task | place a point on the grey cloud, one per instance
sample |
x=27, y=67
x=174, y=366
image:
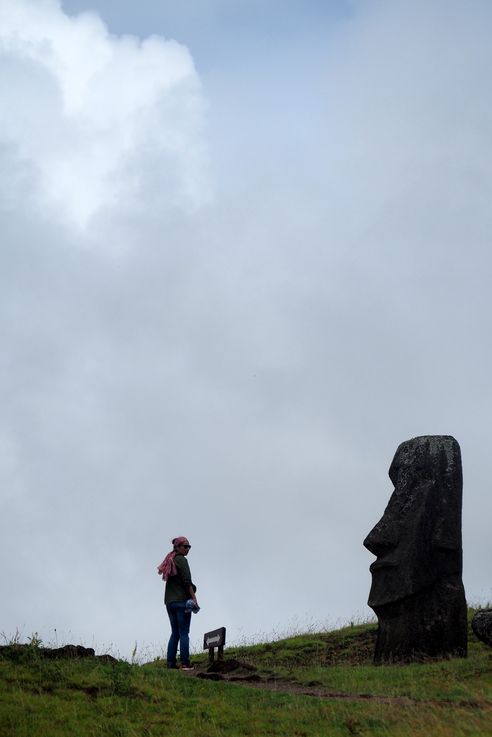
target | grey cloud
x=242, y=372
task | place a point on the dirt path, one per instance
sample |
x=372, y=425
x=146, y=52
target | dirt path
x=319, y=692
x=252, y=680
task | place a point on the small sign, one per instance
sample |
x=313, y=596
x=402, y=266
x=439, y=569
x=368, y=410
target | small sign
x=215, y=638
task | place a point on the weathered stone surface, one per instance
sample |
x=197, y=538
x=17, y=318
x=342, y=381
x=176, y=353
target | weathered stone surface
x=228, y=665
x=482, y=625
x=229, y=669
x=23, y=652
x=68, y=652
x=417, y=591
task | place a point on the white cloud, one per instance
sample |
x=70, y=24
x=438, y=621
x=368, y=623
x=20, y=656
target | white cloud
x=85, y=108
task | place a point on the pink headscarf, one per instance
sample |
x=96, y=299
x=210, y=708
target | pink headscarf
x=168, y=567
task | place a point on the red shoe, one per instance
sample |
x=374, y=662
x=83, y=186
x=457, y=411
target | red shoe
x=187, y=667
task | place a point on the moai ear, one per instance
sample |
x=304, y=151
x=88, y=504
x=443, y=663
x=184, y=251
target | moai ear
x=447, y=530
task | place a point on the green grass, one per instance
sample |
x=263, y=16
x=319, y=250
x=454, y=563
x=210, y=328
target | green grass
x=88, y=698
x=342, y=661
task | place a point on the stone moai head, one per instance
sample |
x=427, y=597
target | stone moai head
x=417, y=544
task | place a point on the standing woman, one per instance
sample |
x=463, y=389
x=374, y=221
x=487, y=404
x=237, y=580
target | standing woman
x=175, y=571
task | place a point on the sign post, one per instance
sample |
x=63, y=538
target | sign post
x=215, y=639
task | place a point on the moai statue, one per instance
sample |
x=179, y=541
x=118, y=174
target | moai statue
x=417, y=590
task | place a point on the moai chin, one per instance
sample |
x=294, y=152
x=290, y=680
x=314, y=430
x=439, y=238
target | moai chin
x=417, y=589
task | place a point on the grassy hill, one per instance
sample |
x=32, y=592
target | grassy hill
x=319, y=684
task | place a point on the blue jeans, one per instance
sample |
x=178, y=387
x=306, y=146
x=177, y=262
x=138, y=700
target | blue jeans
x=180, y=629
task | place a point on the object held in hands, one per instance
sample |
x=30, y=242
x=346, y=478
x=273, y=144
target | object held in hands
x=190, y=606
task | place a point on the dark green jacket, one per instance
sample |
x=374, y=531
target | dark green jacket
x=178, y=587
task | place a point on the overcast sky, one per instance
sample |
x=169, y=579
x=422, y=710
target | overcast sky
x=245, y=252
